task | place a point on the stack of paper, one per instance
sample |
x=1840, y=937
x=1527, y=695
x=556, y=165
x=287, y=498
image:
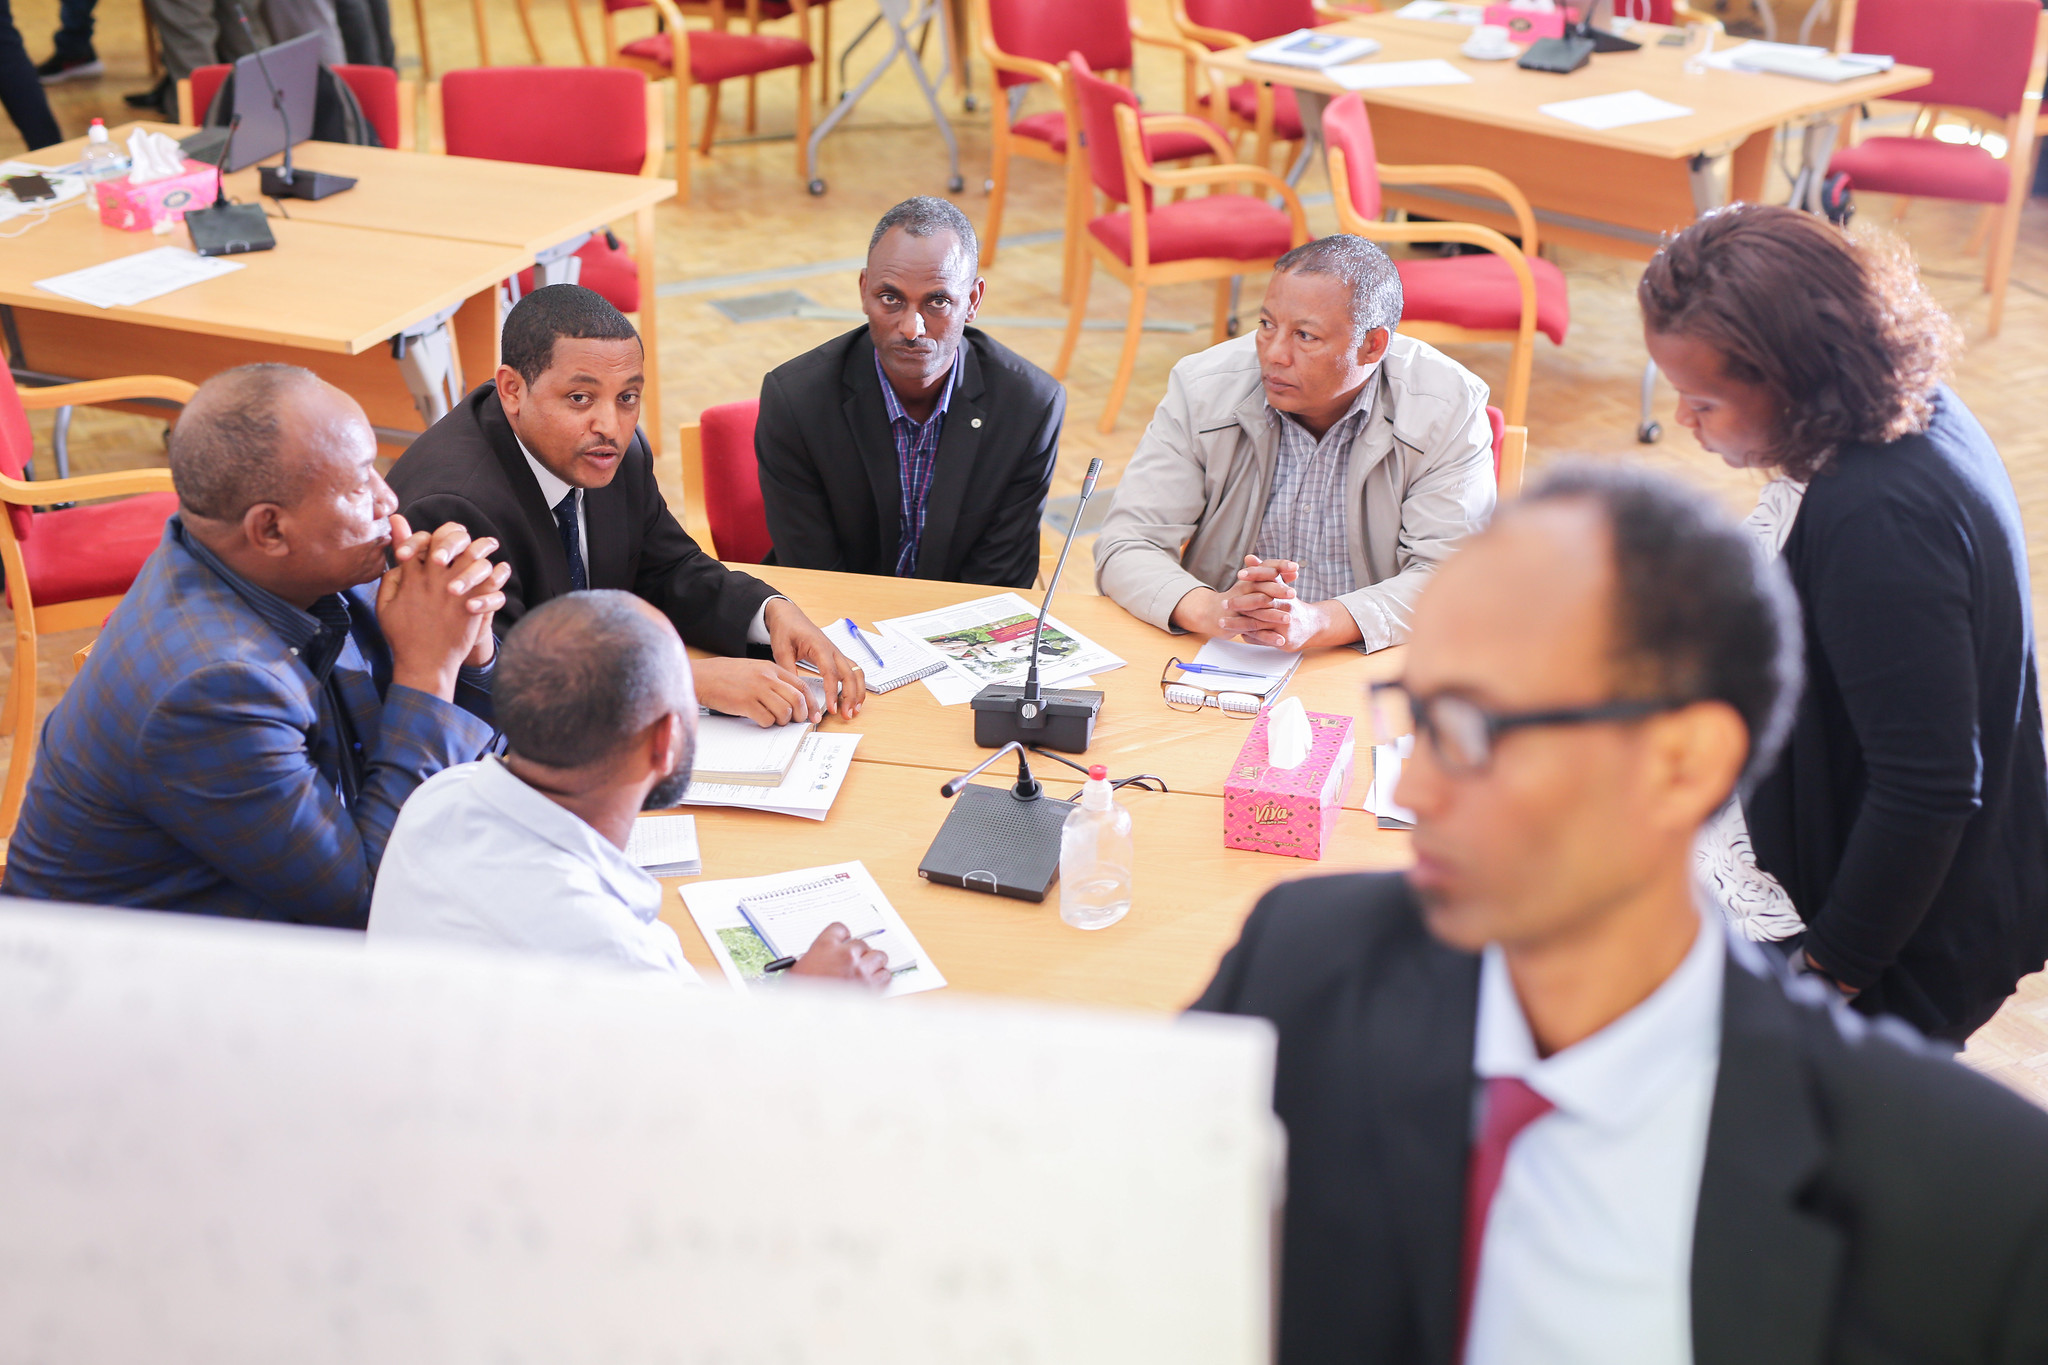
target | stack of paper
x=808, y=791
x=665, y=845
x=1308, y=48
x=792, y=907
x=732, y=749
x=1393, y=75
x=136, y=279
x=886, y=661
x=1621, y=109
x=1386, y=776
x=988, y=641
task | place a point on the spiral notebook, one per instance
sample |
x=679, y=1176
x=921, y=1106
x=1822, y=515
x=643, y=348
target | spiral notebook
x=749, y=921
x=887, y=661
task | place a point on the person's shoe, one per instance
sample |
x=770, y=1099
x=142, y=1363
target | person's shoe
x=160, y=97
x=59, y=69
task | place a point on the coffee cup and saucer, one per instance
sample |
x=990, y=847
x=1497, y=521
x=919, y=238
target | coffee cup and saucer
x=1490, y=43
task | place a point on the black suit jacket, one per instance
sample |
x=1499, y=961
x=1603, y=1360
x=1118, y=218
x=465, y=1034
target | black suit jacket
x=1862, y=1201
x=468, y=468
x=830, y=483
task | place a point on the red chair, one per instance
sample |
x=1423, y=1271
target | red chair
x=1267, y=112
x=722, y=485
x=1510, y=449
x=1024, y=41
x=1145, y=244
x=387, y=101
x=586, y=118
x=68, y=567
x=709, y=57
x=1988, y=56
x=1508, y=295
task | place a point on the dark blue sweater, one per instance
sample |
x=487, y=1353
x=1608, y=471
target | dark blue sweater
x=1908, y=815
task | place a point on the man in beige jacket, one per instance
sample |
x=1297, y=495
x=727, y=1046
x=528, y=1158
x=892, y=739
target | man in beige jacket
x=1298, y=487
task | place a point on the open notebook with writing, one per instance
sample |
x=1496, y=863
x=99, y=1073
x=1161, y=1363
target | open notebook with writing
x=886, y=661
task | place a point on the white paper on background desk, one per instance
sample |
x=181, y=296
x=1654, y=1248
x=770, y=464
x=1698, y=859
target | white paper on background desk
x=665, y=846
x=1723, y=59
x=139, y=278
x=1386, y=776
x=988, y=641
x=809, y=790
x=741, y=954
x=1622, y=109
x=1442, y=11
x=68, y=187
x=1392, y=75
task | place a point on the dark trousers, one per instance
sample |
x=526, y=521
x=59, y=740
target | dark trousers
x=21, y=94
x=74, y=30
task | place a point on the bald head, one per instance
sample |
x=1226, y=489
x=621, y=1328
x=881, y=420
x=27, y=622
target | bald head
x=583, y=677
x=236, y=443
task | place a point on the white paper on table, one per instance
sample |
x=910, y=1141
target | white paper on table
x=950, y=689
x=1622, y=109
x=1392, y=75
x=741, y=954
x=1442, y=12
x=809, y=790
x=966, y=635
x=130, y=280
x=1723, y=59
x=1386, y=776
x=68, y=187
x=661, y=842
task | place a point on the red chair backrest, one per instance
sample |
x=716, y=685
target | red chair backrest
x=732, y=483
x=1979, y=50
x=17, y=448
x=1047, y=30
x=1498, y=420
x=1099, y=99
x=1347, y=129
x=1257, y=20
x=376, y=89
x=588, y=118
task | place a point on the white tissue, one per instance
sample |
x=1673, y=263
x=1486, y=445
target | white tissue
x=152, y=156
x=1287, y=741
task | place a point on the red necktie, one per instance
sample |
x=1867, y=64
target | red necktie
x=1511, y=1106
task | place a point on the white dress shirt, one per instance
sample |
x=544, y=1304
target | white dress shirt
x=1588, y=1251
x=479, y=857
x=553, y=490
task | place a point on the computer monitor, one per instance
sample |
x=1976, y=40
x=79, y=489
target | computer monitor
x=294, y=68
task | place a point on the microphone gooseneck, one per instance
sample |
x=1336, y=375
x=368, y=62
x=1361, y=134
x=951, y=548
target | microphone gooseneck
x=1026, y=788
x=1031, y=688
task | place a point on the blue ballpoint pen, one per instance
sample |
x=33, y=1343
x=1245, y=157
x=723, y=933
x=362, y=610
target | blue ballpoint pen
x=1226, y=672
x=854, y=631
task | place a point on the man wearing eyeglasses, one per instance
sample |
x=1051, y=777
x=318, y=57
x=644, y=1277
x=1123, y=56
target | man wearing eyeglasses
x=1540, y=1108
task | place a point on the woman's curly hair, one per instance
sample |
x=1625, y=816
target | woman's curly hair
x=1839, y=329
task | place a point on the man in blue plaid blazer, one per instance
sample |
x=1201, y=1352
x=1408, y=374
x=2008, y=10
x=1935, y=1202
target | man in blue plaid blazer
x=254, y=714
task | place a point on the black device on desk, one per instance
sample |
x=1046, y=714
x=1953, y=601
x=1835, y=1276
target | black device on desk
x=1567, y=54
x=300, y=60
x=30, y=189
x=1006, y=713
x=1004, y=841
x=228, y=229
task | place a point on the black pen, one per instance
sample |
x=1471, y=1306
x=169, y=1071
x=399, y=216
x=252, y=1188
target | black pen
x=783, y=964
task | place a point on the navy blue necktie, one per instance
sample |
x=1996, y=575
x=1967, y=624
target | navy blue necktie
x=572, y=546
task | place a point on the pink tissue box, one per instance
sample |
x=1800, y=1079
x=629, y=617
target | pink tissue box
x=1289, y=811
x=1526, y=26
x=139, y=208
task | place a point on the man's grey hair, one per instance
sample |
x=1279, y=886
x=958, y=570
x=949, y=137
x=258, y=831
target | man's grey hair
x=927, y=216
x=1375, y=284
x=227, y=448
x=582, y=676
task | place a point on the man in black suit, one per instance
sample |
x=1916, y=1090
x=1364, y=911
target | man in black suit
x=1540, y=1108
x=549, y=457
x=914, y=446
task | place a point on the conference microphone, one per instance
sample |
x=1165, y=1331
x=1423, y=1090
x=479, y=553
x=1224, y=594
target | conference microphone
x=283, y=182
x=1007, y=713
x=996, y=840
x=228, y=229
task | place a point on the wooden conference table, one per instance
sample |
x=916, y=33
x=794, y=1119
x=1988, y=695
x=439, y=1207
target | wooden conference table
x=1191, y=894
x=420, y=241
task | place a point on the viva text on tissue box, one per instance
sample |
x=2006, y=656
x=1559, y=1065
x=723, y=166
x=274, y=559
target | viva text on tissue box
x=1289, y=811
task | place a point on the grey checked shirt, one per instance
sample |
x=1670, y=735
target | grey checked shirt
x=1305, y=518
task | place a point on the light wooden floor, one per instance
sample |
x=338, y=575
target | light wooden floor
x=750, y=214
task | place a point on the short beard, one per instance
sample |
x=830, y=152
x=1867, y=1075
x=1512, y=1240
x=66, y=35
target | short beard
x=669, y=792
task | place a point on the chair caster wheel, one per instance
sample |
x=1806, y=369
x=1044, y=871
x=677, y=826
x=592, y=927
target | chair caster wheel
x=970, y=103
x=1649, y=432
x=817, y=187
x=988, y=187
x=955, y=185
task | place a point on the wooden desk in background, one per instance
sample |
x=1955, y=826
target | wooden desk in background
x=1615, y=192
x=1190, y=893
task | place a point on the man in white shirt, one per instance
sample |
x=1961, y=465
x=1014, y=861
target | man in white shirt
x=1540, y=1109
x=593, y=694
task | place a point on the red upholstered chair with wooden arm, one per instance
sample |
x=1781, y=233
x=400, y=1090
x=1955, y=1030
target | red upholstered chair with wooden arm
x=1213, y=237
x=1267, y=112
x=1987, y=56
x=69, y=566
x=1508, y=295
x=722, y=484
x=587, y=118
x=1510, y=450
x=1024, y=42
x=708, y=57
x=387, y=101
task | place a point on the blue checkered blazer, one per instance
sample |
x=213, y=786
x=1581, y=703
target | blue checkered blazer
x=192, y=766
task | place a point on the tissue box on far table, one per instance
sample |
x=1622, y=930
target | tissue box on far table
x=139, y=208
x=1289, y=811
x=1527, y=25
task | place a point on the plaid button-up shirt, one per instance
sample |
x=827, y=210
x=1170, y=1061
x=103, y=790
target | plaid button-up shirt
x=917, y=456
x=1306, y=520
x=224, y=752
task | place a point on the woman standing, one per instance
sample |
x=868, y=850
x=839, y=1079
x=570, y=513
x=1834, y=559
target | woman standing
x=1907, y=819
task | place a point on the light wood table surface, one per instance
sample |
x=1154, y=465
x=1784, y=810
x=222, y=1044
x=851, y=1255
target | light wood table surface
x=1613, y=191
x=1136, y=732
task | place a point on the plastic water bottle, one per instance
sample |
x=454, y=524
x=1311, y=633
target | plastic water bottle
x=103, y=160
x=1095, y=857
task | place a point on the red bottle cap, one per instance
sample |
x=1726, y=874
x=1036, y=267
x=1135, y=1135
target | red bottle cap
x=1098, y=773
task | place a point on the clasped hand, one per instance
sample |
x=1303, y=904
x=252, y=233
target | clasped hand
x=771, y=692
x=1262, y=608
x=436, y=605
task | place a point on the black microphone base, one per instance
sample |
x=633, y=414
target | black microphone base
x=1058, y=720
x=304, y=184
x=1603, y=41
x=997, y=844
x=229, y=230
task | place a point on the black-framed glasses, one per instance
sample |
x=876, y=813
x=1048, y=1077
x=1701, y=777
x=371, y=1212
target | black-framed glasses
x=1184, y=690
x=1463, y=733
